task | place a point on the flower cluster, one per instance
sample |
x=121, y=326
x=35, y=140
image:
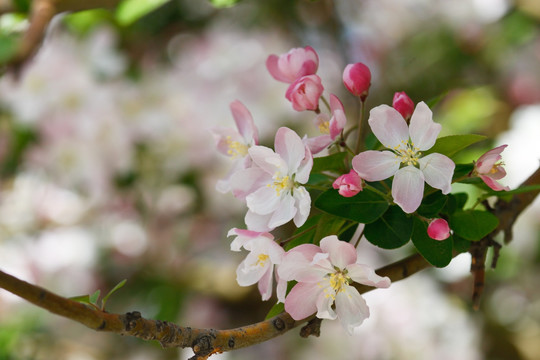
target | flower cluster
x=277, y=187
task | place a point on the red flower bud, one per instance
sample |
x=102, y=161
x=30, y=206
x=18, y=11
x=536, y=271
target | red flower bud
x=403, y=104
x=357, y=79
x=438, y=229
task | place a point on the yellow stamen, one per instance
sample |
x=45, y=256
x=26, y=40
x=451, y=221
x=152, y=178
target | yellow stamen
x=261, y=260
x=324, y=127
x=407, y=153
x=236, y=148
x=281, y=183
x=338, y=281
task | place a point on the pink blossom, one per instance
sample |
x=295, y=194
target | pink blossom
x=296, y=63
x=329, y=126
x=305, y=92
x=325, y=275
x=348, y=184
x=258, y=266
x=235, y=143
x=438, y=229
x=357, y=79
x=489, y=168
x=403, y=104
x=272, y=187
x=405, y=161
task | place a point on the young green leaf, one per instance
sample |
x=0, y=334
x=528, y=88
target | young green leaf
x=93, y=299
x=432, y=204
x=115, y=288
x=277, y=309
x=390, y=231
x=129, y=11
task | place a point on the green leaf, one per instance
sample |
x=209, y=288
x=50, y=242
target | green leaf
x=334, y=162
x=432, y=204
x=275, y=310
x=8, y=47
x=450, y=145
x=519, y=190
x=129, y=11
x=455, y=202
x=81, y=298
x=462, y=170
x=473, y=225
x=328, y=225
x=437, y=253
x=116, y=287
x=460, y=244
x=390, y=231
x=305, y=234
x=365, y=207
x=94, y=297
x=224, y=3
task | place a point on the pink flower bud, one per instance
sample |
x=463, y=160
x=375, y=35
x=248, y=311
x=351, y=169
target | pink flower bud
x=296, y=63
x=357, y=79
x=438, y=229
x=349, y=184
x=403, y=104
x=305, y=92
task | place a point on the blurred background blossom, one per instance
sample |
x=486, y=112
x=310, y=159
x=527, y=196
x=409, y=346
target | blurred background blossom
x=108, y=169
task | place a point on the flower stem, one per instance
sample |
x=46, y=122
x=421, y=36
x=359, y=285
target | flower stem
x=362, y=128
x=326, y=103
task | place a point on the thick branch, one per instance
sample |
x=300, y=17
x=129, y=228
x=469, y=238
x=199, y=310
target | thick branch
x=206, y=342
x=41, y=14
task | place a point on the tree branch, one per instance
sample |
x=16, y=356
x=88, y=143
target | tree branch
x=206, y=342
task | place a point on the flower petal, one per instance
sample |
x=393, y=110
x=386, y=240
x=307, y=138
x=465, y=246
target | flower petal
x=351, y=308
x=388, y=126
x=244, y=122
x=493, y=184
x=301, y=301
x=267, y=159
x=408, y=188
x=325, y=301
x=263, y=201
x=375, y=165
x=341, y=253
x=423, y=129
x=257, y=222
x=365, y=275
x=265, y=284
x=290, y=147
x=296, y=264
x=284, y=213
x=438, y=170
x=244, y=182
x=248, y=273
x=302, y=204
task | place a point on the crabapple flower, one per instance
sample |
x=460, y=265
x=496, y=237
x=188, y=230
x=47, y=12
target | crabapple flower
x=405, y=161
x=325, y=275
x=357, y=79
x=305, y=92
x=272, y=187
x=489, y=168
x=349, y=184
x=403, y=104
x=235, y=143
x=296, y=63
x=438, y=229
x=329, y=126
x=258, y=266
